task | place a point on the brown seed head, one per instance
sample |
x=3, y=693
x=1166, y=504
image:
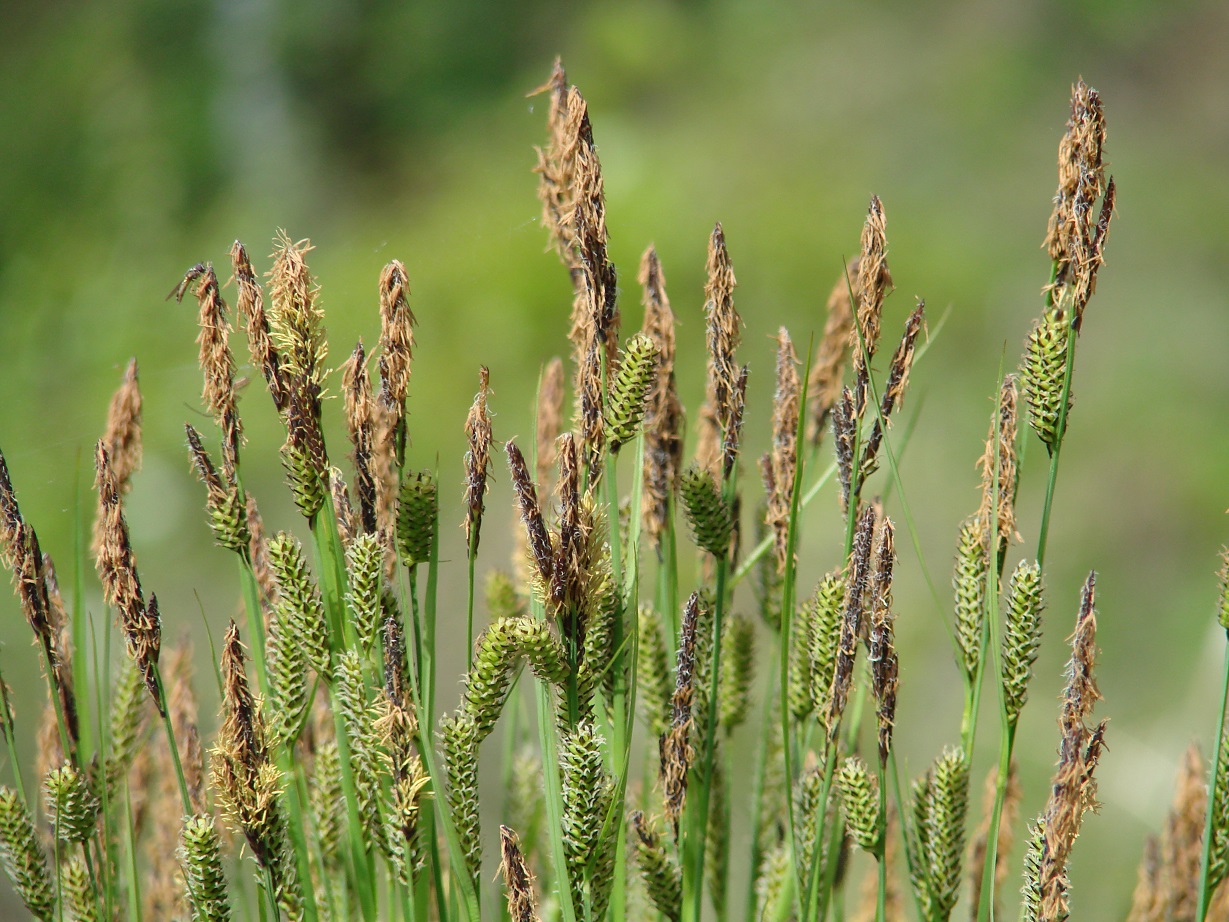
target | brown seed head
x=881, y=649
x=555, y=170
x=522, y=904
x=893, y=392
x=251, y=307
x=216, y=361
x=851, y=619
x=360, y=422
x=828, y=370
x=874, y=281
x=676, y=751
x=724, y=332
x=297, y=319
x=782, y=462
x=477, y=461
x=999, y=472
x=396, y=337
x=531, y=515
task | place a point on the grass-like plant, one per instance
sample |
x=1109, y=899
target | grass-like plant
x=338, y=786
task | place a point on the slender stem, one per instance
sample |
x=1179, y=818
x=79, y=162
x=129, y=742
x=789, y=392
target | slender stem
x=1059, y=438
x=1205, y=860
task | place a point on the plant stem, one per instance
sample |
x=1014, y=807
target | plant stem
x=1209, y=829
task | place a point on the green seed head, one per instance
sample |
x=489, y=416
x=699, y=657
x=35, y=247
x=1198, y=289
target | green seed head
x=417, y=511
x=1022, y=636
x=711, y=520
x=627, y=392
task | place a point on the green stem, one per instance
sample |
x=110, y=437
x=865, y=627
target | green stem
x=1209, y=829
x=1059, y=438
x=757, y=787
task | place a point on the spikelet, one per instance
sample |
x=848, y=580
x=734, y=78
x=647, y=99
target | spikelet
x=23, y=857
x=1030, y=910
x=365, y=567
x=588, y=796
x=969, y=589
x=1222, y=614
x=128, y=725
x=723, y=402
x=860, y=802
x=653, y=673
x=327, y=803
x=1042, y=371
x=893, y=392
x=296, y=319
x=477, y=462
x=200, y=858
x=774, y=898
x=122, y=438
x=808, y=810
x=628, y=390
x=826, y=609
x=663, y=417
x=675, y=748
x=1073, y=789
x=417, y=511
x=459, y=744
x=141, y=623
x=779, y=465
x=828, y=368
x=873, y=283
x=844, y=434
x=224, y=501
x=999, y=473
x=880, y=646
x=250, y=306
x=77, y=884
x=360, y=424
x=737, y=673
x=712, y=522
x=550, y=419
x=1218, y=860
x=540, y=547
x=497, y=656
x=1021, y=636
x=554, y=167
x=662, y=877
x=800, y=689
x=358, y=717
x=522, y=904
x=943, y=809
x=852, y=617
x=71, y=804
x=299, y=605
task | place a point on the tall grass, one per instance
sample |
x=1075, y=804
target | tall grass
x=343, y=779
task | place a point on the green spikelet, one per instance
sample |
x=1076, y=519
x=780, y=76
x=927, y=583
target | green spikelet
x=327, y=801
x=625, y=408
x=128, y=705
x=826, y=633
x=299, y=603
x=861, y=804
x=365, y=566
x=1223, y=616
x=969, y=587
x=503, y=601
x=661, y=875
x=459, y=742
x=1030, y=910
x=1045, y=364
x=1218, y=860
x=418, y=507
x=949, y=802
x=78, y=886
x=71, y=804
x=919, y=842
x=286, y=657
x=1021, y=637
x=653, y=674
x=228, y=520
x=588, y=795
x=305, y=477
x=800, y=690
x=500, y=650
x=807, y=807
x=359, y=719
x=709, y=516
x=773, y=893
x=737, y=672
x=403, y=821
x=23, y=857
x=200, y=858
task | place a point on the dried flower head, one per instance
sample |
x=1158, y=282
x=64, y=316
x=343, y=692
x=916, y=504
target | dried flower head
x=251, y=307
x=999, y=472
x=555, y=169
x=360, y=423
x=477, y=461
x=396, y=343
x=780, y=465
x=828, y=369
x=550, y=418
x=522, y=903
x=723, y=334
x=297, y=319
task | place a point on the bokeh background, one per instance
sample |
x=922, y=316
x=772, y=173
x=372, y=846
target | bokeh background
x=138, y=137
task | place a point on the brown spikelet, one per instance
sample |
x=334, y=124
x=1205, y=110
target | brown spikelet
x=550, y=418
x=360, y=423
x=116, y=567
x=675, y=747
x=22, y=553
x=477, y=461
x=1073, y=790
x=250, y=306
x=780, y=465
x=893, y=391
x=297, y=319
x=566, y=583
x=881, y=649
x=828, y=370
x=663, y=416
x=1006, y=838
x=522, y=904
x=531, y=514
x=1169, y=879
x=999, y=472
x=216, y=360
x=844, y=433
x=851, y=618
x=723, y=334
x=60, y=652
x=122, y=437
x=555, y=170
x=873, y=283
x=396, y=347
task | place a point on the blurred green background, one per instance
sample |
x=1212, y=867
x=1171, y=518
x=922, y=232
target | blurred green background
x=139, y=137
